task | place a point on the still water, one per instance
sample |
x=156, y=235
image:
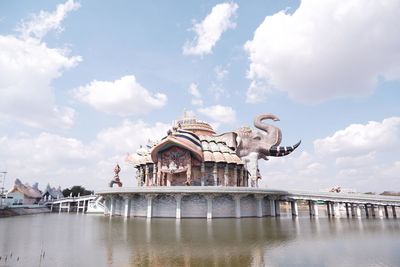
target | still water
x=87, y=240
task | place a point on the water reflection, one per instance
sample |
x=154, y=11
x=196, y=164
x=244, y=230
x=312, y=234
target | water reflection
x=76, y=240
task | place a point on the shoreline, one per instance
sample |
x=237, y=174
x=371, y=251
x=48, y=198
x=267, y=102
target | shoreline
x=19, y=211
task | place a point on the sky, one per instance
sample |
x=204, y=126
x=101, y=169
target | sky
x=83, y=83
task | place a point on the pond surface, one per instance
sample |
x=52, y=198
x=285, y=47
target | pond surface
x=90, y=240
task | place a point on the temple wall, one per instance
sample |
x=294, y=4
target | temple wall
x=223, y=206
x=139, y=206
x=248, y=206
x=164, y=206
x=194, y=206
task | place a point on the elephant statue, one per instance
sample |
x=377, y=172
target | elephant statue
x=251, y=145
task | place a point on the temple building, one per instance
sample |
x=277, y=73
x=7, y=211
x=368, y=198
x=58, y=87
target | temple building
x=193, y=154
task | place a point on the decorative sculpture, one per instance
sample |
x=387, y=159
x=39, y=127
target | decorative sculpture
x=252, y=145
x=116, y=179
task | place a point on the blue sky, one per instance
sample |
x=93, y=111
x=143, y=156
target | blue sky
x=82, y=83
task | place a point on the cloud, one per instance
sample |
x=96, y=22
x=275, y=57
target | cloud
x=42, y=23
x=220, y=114
x=325, y=50
x=68, y=161
x=359, y=138
x=209, y=31
x=220, y=73
x=28, y=67
x=360, y=157
x=196, y=95
x=121, y=97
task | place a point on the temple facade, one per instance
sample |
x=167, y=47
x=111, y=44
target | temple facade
x=193, y=154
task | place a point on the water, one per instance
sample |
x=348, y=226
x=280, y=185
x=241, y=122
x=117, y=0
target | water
x=87, y=240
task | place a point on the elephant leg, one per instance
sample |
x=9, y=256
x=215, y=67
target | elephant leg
x=251, y=162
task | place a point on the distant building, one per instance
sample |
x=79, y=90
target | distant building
x=51, y=193
x=24, y=193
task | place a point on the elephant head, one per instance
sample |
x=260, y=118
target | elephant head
x=252, y=145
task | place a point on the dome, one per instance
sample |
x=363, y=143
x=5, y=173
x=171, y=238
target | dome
x=190, y=123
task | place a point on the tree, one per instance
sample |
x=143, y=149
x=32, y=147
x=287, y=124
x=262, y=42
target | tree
x=76, y=190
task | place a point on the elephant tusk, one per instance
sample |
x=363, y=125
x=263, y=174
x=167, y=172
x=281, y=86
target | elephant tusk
x=279, y=151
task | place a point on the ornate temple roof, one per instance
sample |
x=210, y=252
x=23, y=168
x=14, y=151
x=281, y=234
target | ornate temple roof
x=27, y=190
x=190, y=123
x=207, y=148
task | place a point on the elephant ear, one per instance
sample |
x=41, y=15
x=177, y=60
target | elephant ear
x=228, y=138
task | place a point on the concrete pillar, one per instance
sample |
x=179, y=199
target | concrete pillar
x=154, y=182
x=146, y=175
x=241, y=178
x=394, y=211
x=226, y=176
x=149, y=206
x=69, y=206
x=346, y=205
x=77, y=207
x=366, y=210
x=372, y=210
x=358, y=211
x=313, y=208
x=333, y=208
x=59, y=208
x=353, y=213
x=271, y=207
x=215, y=174
x=277, y=207
x=127, y=210
x=380, y=211
x=235, y=175
x=386, y=211
x=328, y=208
x=178, y=199
x=203, y=173
x=259, y=200
x=112, y=206
x=237, y=206
x=209, y=207
x=295, y=210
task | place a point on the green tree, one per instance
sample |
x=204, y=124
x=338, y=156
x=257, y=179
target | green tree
x=76, y=190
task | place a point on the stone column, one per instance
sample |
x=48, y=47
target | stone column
x=366, y=210
x=295, y=210
x=127, y=211
x=138, y=176
x=149, y=206
x=241, y=176
x=373, y=210
x=380, y=211
x=146, y=175
x=235, y=176
x=112, y=206
x=77, y=207
x=69, y=206
x=226, y=177
x=277, y=207
x=203, y=173
x=259, y=205
x=209, y=206
x=347, y=209
x=352, y=210
x=178, y=199
x=328, y=208
x=315, y=208
x=358, y=211
x=154, y=182
x=237, y=206
x=310, y=208
x=215, y=174
x=394, y=211
x=386, y=211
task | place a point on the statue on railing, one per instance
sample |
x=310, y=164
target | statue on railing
x=116, y=179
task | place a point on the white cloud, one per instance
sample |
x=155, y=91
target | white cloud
x=121, y=97
x=42, y=23
x=69, y=161
x=358, y=138
x=196, y=95
x=28, y=67
x=325, y=50
x=209, y=31
x=359, y=157
x=221, y=114
x=220, y=72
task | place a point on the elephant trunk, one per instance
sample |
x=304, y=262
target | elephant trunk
x=271, y=130
x=279, y=151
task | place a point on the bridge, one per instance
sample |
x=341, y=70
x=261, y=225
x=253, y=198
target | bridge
x=79, y=203
x=237, y=202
